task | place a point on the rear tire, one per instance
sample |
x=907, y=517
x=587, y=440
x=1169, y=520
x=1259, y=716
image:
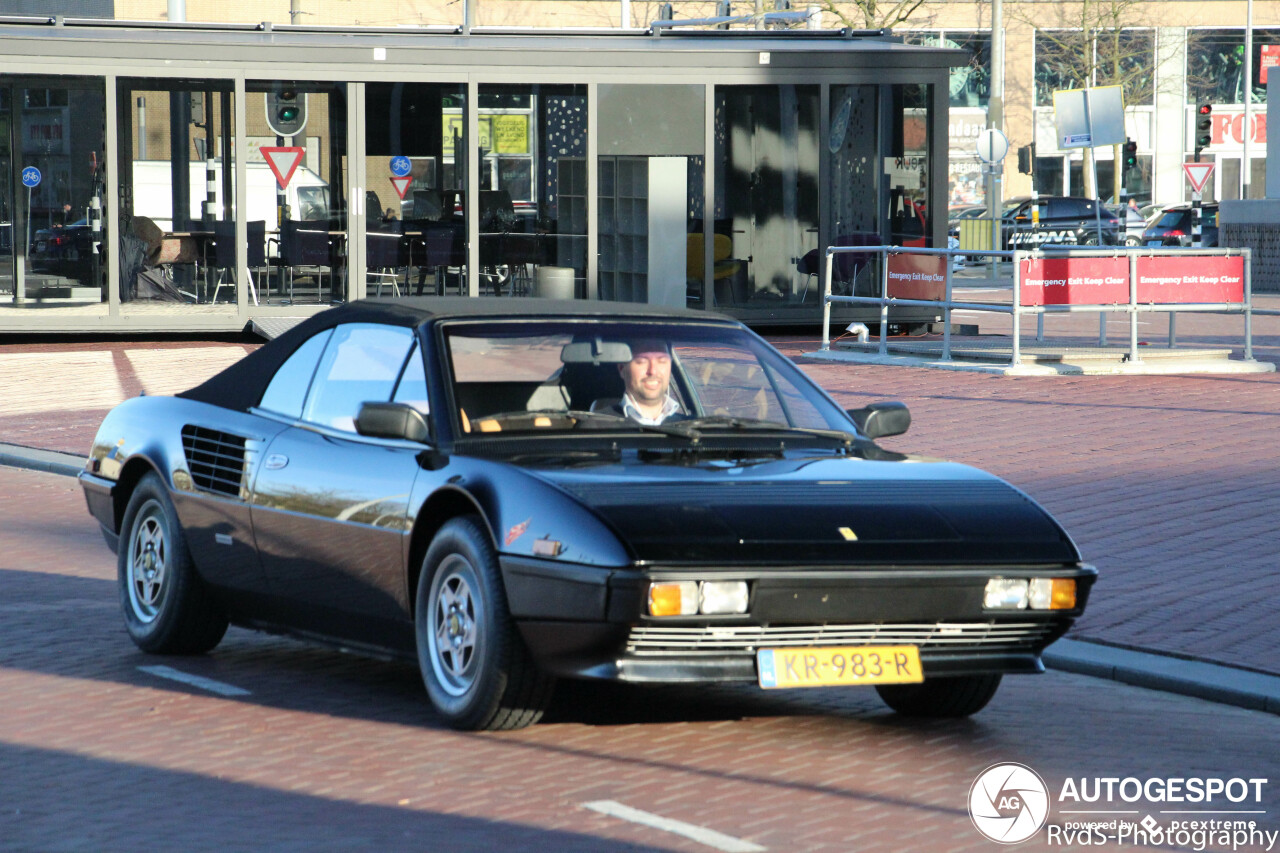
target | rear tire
x=475, y=666
x=941, y=697
x=167, y=607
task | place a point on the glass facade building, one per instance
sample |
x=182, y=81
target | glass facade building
x=195, y=178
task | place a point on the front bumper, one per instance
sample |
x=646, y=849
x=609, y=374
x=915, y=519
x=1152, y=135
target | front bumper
x=588, y=622
x=99, y=494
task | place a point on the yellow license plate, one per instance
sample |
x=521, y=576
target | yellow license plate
x=824, y=667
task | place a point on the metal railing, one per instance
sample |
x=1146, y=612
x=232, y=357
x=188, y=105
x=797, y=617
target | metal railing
x=1016, y=310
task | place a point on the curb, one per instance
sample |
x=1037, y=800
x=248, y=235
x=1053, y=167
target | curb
x=1214, y=682
x=49, y=461
x=1217, y=683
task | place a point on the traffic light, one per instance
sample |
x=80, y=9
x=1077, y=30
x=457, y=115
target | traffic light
x=1204, y=128
x=1130, y=160
x=1027, y=159
x=286, y=109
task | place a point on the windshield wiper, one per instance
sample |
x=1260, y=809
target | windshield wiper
x=581, y=416
x=727, y=422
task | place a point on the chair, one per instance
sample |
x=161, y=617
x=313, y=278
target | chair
x=224, y=253
x=846, y=265
x=384, y=256
x=445, y=248
x=428, y=204
x=724, y=270
x=497, y=211
x=587, y=385
x=302, y=244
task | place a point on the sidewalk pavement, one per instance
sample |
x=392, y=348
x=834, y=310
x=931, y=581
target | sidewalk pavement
x=1169, y=484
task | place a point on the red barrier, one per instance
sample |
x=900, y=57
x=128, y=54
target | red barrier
x=1075, y=281
x=918, y=277
x=1214, y=278
x=1162, y=280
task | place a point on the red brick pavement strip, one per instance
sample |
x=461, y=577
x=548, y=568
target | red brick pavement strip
x=337, y=752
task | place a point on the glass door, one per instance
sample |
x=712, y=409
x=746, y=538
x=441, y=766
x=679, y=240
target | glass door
x=52, y=193
x=415, y=171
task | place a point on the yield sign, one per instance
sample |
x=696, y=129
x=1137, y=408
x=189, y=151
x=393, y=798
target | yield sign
x=1198, y=174
x=283, y=161
x=401, y=183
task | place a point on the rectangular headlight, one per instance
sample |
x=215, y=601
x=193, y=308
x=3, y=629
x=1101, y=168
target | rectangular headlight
x=724, y=597
x=1052, y=594
x=1005, y=594
x=673, y=598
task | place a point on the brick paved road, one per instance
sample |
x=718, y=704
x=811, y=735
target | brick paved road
x=336, y=752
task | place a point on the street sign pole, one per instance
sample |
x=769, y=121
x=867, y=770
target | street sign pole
x=1198, y=176
x=992, y=146
x=1196, y=212
x=31, y=178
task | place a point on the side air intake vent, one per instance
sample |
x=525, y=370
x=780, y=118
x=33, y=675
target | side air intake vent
x=215, y=459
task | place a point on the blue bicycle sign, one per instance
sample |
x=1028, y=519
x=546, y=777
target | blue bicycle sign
x=400, y=166
x=31, y=177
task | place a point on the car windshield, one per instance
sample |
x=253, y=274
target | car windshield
x=1011, y=206
x=1172, y=218
x=560, y=376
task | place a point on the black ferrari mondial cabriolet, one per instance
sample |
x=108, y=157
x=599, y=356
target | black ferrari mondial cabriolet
x=512, y=491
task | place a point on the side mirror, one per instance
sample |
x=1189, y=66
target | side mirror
x=882, y=419
x=392, y=420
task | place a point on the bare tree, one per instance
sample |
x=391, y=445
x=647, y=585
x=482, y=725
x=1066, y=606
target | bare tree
x=872, y=14
x=1091, y=43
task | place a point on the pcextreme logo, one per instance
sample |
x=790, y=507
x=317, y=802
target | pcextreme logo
x=1008, y=803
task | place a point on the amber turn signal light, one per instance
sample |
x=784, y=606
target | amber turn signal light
x=675, y=598
x=1053, y=593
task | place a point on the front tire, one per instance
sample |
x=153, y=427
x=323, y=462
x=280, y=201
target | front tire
x=167, y=607
x=959, y=696
x=476, y=669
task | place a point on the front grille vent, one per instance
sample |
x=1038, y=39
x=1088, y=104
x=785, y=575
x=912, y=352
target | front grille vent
x=215, y=459
x=746, y=639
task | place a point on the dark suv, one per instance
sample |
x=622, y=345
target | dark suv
x=1063, y=220
x=1173, y=227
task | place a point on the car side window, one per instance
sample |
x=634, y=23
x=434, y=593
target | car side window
x=360, y=364
x=412, y=387
x=288, y=388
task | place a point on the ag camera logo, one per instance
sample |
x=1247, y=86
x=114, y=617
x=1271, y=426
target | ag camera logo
x=1008, y=803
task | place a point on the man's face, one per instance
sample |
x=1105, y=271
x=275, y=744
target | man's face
x=647, y=376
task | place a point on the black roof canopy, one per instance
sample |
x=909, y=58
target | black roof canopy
x=242, y=384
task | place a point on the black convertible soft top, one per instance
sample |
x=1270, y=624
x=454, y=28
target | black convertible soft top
x=242, y=384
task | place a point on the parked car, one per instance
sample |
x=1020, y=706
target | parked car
x=446, y=480
x=971, y=211
x=1148, y=211
x=1174, y=227
x=65, y=251
x=1068, y=220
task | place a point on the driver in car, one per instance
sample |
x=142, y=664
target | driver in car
x=647, y=379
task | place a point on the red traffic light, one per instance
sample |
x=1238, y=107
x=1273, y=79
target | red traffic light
x=1205, y=109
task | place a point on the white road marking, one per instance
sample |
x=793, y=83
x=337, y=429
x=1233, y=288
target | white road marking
x=195, y=680
x=700, y=834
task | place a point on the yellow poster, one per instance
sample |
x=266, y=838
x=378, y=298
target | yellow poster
x=510, y=134
x=499, y=134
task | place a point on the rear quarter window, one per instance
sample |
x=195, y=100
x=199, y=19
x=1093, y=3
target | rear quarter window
x=288, y=388
x=361, y=364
